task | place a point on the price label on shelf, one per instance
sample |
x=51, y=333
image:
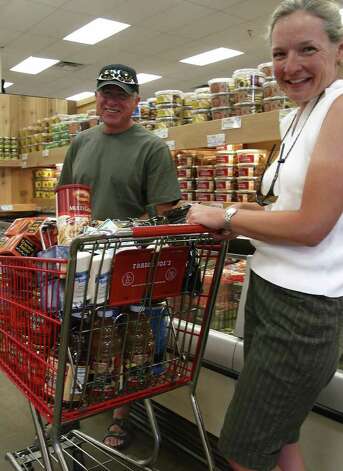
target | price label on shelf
x=24, y=156
x=214, y=140
x=171, y=145
x=234, y=122
x=6, y=207
x=162, y=132
x=24, y=164
x=45, y=153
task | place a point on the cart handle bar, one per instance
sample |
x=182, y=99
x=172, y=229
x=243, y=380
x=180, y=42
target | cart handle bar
x=169, y=230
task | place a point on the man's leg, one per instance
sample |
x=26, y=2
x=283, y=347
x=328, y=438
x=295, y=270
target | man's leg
x=291, y=458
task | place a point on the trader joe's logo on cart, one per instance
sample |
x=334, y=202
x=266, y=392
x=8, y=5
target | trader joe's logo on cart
x=138, y=272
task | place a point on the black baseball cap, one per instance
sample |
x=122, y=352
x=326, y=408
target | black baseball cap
x=120, y=75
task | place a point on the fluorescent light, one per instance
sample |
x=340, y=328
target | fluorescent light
x=7, y=84
x=96, y=31
x=341, y=12
x=80, y=96
x=209, y=57
x=34, y=65
x=145, y=78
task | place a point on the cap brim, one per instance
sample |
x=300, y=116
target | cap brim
x=124, y=86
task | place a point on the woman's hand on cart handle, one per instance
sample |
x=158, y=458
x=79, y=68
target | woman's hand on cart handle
x=211, y=217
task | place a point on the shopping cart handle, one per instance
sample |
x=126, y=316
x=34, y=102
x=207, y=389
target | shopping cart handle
x=169, y=230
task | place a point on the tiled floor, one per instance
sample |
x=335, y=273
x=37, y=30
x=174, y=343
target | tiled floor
x=16, y=432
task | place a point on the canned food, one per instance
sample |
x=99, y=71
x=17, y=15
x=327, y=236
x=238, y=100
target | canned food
x=226, y=157
x=188, y=99
x=250, y=156
x=184, y=172
x=167, y=122
x=187, y=195
x=249, y=171
x=224, y=171
x=271, y=88
x=201, y=115
x=221, y=85
x=266, y=68
x=247, y=108
x=247, y=184
x=169, y=96
x=186, y=184
x=205, y=185
x=168, y=111
x=225, y=196
x=205, y=172
x=185, y=159
x=220, y=99
x=73, y=200
x=45, y=173
x=248, y=95
x=246, y=196
x=248, y=78
x=201, y=195
x=221, y=112
x=226, y=184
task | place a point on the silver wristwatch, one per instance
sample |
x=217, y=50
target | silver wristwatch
x=229, y=213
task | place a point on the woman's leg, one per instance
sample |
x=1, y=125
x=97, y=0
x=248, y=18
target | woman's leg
x=291, y=458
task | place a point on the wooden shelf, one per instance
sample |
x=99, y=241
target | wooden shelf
x=6, y=209
x=44, y=158
x=255, y=128
x=10, y=163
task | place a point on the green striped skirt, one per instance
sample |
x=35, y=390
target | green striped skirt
x=292, y=346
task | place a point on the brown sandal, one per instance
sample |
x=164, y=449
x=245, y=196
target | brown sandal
x=123, y=435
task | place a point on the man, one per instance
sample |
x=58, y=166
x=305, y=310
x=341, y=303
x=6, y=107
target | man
x=128, y=168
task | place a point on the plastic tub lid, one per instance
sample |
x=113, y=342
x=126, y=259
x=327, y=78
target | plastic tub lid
x=168, y=92
x=200, y=110
x=220, y=79
x=221, y=108
x=247, y=71
x=265, y=64
x=271, y=98
x=202, y=90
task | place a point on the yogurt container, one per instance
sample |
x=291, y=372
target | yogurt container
x=225, y=196
x=186, y=184
x=221, y=85
x=168, y=111
x=221, y=112
x=247, y=108
x=250, y=156
x=249, y=171
x=247, y=184
x=169, y=96
x=205, y=185
x=220, y=99
x=248, y=78
x=201, y=195
x=226, y=184
x=266, y=68
x=224, y=171
x=272, y=89
x=205, y=172
x=248, y=95
x=226, y=157
x=184, y=172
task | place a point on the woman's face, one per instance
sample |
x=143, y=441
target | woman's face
x=304, y=59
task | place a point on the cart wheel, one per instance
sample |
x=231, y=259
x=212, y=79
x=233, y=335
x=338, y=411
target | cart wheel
x=78, y=460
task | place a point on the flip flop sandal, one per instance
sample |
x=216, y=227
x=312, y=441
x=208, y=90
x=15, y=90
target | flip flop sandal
x=124, y=435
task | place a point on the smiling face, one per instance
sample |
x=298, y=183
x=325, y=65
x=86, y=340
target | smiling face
x=115, y=107
x=304, y=59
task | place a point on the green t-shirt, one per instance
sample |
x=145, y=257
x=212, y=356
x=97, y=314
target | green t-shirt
x=127, y=172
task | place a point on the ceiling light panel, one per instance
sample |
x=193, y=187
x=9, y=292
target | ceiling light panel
x=34, y=65
x=145, y=78
x=209, y=57
x=7, y=84
x=80, y=96
x=96, y=31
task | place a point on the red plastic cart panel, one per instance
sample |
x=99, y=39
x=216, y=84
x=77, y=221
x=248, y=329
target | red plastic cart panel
x=134, y=271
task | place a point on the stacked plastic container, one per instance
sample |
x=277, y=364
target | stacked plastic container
x=221, y=97
x=248, y=92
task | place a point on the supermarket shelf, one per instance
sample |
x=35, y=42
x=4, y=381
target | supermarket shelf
x=6, y=209
x=10, y=163
x=44, y=158
x=255, y=128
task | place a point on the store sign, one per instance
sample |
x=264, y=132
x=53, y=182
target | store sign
x=234, y=122
x=171, y=145
x=214, y=140
x=162, y=132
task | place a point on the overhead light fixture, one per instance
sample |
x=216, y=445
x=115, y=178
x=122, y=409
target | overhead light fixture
x=209, y=57
x=34, y=65
x=7, y=84
x=341, y=12
x=80, y=96
x=145, y=78
x=96, y=31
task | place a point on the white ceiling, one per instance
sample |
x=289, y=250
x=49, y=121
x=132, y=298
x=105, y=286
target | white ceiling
x=162, y=33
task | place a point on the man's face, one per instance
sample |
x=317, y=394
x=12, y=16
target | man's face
x=115, y=107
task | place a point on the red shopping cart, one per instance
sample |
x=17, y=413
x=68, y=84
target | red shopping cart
x=122, y=318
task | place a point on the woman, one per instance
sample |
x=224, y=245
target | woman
x=294, y=307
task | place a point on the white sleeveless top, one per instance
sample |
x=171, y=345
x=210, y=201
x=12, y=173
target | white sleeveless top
x=314, y=270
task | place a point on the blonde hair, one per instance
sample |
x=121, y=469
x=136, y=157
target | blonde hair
x=327, y=10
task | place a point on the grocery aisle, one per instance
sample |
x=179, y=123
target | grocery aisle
x=16, y=431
